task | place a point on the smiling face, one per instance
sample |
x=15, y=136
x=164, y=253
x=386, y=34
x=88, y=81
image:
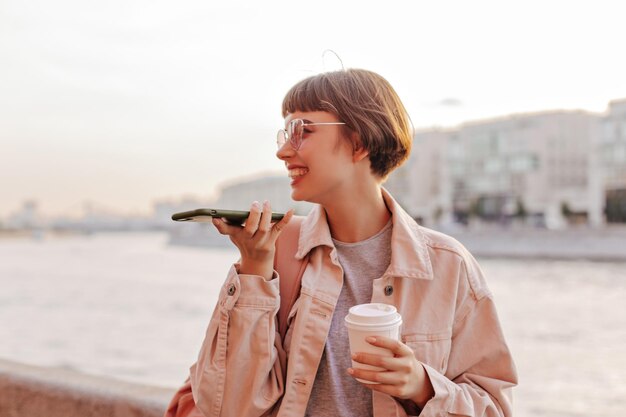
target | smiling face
x=324, y=168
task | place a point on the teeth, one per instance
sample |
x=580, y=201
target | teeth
x=297, y=172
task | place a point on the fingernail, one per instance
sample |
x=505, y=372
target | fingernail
x=266, y=203
x=354, y=356
x=370, y=339
x=256, y=204
x=351, y=371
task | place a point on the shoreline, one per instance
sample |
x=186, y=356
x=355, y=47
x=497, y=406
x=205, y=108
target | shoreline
x=606, y=244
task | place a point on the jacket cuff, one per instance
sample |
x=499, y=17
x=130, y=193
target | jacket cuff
x=444, y=391
x=251, y=291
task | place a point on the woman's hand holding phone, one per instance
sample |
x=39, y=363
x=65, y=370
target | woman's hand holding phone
x=256, y=239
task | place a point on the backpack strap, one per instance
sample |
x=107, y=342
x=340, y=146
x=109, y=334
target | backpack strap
x=289, y=269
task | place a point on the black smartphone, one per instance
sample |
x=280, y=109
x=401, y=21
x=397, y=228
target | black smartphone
x=206, y=214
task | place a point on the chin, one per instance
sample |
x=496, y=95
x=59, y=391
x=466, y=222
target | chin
x=296, y=196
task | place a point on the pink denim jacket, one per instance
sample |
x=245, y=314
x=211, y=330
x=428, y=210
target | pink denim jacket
x=449, y=320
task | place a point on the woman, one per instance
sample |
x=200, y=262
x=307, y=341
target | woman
x=345, y=132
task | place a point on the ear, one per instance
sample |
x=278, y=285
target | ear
x=359, y=154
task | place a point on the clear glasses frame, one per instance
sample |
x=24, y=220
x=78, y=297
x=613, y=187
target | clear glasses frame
x=295, y=131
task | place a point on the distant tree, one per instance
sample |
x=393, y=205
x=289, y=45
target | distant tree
x=437, y=214
x=566, y=211
x=615, y=206
x=475, y=209
x=520, y=209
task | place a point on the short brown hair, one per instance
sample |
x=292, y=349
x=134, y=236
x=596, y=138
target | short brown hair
x=369, y=106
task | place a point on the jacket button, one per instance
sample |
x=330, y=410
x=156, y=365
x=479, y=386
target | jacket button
x=231, y=289
x=388, y=290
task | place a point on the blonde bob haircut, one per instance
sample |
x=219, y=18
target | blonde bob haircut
x=367, y=104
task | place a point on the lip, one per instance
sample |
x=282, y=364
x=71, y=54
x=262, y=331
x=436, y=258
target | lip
x=294, y=166
x=295, y=180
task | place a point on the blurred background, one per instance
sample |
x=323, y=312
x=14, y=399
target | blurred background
x=115, y=115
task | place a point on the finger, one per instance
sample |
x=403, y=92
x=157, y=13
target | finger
x=392, y=390
x=265, y=225
x=379, y=377
x=280, y=225
x=252, y=222
x=395, y=346
x=380, y=361
x=225, y=228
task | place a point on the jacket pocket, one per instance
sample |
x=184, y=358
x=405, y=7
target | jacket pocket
x=433, y=349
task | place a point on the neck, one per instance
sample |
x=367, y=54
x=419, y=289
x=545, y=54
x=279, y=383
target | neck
x=358, y=216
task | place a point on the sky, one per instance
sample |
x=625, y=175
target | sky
x=122, y=103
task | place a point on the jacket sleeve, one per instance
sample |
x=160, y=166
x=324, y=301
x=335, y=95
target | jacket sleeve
x=480, y=374
x=239, y=368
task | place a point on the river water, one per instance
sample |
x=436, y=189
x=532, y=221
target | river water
x=129, y=305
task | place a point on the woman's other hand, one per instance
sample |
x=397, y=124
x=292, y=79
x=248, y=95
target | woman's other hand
x=403, y=377
x=256, y=239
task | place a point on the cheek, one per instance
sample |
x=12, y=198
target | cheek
x=330, y=166
x=328, y=159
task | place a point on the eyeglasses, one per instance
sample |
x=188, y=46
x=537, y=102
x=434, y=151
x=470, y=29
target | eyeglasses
x=295, y=131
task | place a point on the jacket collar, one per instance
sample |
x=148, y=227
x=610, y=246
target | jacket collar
x=409, y=252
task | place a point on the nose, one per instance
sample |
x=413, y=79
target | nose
x=286, y=151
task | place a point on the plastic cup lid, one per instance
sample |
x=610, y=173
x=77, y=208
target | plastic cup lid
x=372, y=314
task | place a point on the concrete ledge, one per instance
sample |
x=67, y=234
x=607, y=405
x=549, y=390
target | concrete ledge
x=27, y=391
x=606, y=245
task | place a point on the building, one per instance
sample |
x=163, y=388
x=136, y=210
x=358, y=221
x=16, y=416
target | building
x=609, y=166
x=533, y=167
x=239, y=194
x=163, y=209
x=26, y=217
x=422, y=184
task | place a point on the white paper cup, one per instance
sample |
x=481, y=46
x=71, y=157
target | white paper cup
x=374, y=319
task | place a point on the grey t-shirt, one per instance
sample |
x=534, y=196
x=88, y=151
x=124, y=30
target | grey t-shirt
x=335, y=393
